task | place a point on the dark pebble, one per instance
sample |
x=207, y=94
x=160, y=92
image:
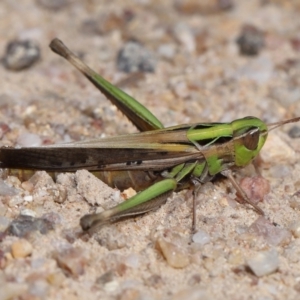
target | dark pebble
x=23, y=225
x=294, y=132
x=251, y=40
x=105, y=278
x=20, y=55
x=134, y=57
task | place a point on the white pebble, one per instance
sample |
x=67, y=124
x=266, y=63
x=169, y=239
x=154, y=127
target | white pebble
x=264, y=262
x=201, y=237
x=166, y=50
x=132, y=260
x=29, y=140
x=28, y=198
x=112, y=286
x=28, y=212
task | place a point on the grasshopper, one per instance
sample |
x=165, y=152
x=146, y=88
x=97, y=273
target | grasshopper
x=155, y=161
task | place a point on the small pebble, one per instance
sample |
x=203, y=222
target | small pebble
x=29, y=140
x=20, y=55
x=128, y=193
x=201, y=237
x=52, y=218
x=292, y=252
x=167, y=50
x=28, y=198
x=132, y=260
x=21, y=248
x=23, y=225
x=134, y=57
x=184, y=34
x=71, y=260
x=256, y=187
x=273, y=235
x=28, y=212
x=155, y=281
x=112, y=286
x=27, y=186
x=251, y=40
x=40, y=179
x=177, y=257
x=194, y=280
x=295, y=228
x=56, y=279
x=264, y=262
x=105, y=278
x=294, y=201
x=294, y=132
x=61, y=194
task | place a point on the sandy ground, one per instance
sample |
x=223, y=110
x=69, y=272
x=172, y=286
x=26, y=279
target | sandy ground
x=199, y=76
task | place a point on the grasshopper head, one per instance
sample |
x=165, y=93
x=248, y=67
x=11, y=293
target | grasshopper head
x=249, y=136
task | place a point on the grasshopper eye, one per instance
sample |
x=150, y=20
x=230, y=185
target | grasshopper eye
x=251, y=139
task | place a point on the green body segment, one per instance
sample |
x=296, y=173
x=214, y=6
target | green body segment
x=152, y=192
x=215, y=165
x=126, y=102
x=209, y=132
x=199, y=169
x=144, y=201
